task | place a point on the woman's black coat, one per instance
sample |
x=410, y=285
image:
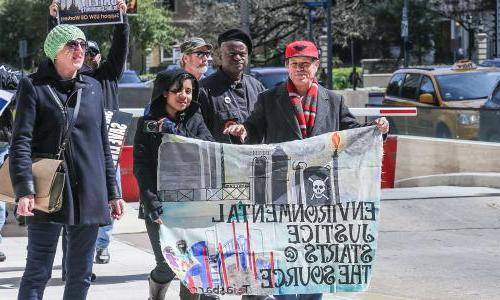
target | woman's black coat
x=38, y=128
x=190, y=124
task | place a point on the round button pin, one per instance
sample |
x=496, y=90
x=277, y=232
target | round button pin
x=227, y=100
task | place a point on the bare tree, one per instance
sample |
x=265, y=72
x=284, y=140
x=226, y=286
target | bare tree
x=274, y=23
x=353, y=20
x=473, y=15
x=467, y=13
x=210, y=18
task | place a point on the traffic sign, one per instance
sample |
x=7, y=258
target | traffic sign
x=23, y=48
x=323, y=50
x=404, y=28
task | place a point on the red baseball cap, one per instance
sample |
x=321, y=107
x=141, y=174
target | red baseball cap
x=301, y=48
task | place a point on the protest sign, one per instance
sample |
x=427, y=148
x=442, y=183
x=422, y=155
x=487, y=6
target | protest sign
x=294, y=217
x=117, y=124
x=81, y=12
x=5, y=99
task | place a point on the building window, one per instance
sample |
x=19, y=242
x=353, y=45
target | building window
x=169, y=4
x=165, y=55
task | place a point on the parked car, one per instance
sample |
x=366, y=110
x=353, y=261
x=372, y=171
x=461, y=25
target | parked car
x=493, y=62
x=130, y=78
x=489, y=125
x=447, y=99
x=132, y=91
x=270, y=76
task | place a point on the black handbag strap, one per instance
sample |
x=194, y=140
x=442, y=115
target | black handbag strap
x=65, y=137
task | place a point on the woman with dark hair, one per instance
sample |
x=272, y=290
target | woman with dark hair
x=60, y=115
x=174, y=109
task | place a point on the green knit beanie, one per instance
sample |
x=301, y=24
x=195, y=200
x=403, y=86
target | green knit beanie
x=59, y=36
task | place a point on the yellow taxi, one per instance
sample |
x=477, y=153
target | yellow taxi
x=447, y=99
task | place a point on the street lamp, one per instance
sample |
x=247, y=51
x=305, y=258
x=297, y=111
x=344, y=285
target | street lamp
x=404, y=31
x=329, y=79
x=327, y=5
x=470, y=31
x=497, y=29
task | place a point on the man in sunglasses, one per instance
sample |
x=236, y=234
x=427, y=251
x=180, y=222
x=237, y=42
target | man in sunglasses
x=108, y=72
x=93, y=55
x=195, y=56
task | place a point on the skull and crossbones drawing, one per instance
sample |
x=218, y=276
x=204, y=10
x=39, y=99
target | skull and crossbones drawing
x=319, y=188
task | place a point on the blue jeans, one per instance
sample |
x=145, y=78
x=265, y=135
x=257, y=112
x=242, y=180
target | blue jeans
x=105, y=232
x=42, y=246
x=104, y=236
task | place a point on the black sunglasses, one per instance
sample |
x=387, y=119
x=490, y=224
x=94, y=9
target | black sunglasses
x=200, y=54
x=74, y=44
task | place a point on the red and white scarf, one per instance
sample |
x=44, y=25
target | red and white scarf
x=304, y=107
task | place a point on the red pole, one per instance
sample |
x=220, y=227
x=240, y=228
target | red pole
x=236, y=248
x=254, y=265
x=224, y=272
x=272, y=269
x=248, y=247
x=207, y=266
x=191, y=286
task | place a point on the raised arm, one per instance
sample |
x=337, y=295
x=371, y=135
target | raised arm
x=52, y=19
x=114, y=64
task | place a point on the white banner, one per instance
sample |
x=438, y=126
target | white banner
x=295, y=217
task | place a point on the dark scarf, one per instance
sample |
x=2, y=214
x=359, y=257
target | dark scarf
x=304, y=107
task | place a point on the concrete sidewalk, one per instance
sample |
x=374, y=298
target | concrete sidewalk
x=124, y=278
x=434, y=243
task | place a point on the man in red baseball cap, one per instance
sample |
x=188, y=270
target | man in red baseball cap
x=297, y=109
x=301, y=107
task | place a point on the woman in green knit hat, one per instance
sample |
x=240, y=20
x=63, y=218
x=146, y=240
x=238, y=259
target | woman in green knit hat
x=58, y=106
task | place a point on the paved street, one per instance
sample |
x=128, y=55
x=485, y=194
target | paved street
x=434, y=243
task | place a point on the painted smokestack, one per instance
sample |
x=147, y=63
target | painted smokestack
x=279, y=176
x=259, y=179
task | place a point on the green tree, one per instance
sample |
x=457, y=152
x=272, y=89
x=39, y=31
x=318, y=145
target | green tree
x=421, y=27
x=152, y=26
x=27, y=19
x=22, y=19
